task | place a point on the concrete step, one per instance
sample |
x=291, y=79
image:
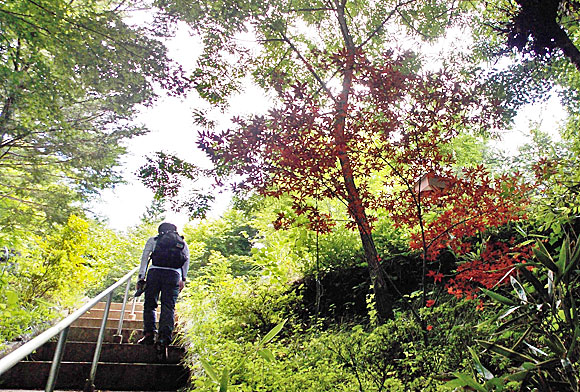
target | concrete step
x=119, y=306
x=111, y=352
x=122, y=367
x=110, y=376
x=115, y=314
x=90, y=334
x=111, y=323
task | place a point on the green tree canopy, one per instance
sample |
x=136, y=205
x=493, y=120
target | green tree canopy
x=72, y=75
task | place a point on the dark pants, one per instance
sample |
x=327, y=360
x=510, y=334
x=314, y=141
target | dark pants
x=166, y=283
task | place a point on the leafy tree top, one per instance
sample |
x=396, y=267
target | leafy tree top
x=73, y=75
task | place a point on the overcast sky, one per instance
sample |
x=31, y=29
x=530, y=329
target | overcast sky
x=172, y=131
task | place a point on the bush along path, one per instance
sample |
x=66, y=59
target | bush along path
x=123, y=366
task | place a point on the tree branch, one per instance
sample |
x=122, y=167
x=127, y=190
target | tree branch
x=308, y=65
x=376, y=31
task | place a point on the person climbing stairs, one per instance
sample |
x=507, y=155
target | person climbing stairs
x=124, y=365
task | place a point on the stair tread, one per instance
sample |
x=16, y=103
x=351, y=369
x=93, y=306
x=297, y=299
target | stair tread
x=153, y=364
x=111, y=352
x=110, y=376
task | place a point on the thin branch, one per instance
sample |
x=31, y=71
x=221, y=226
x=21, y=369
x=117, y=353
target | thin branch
x=308, y=65
x=23, y=201
x=346, y=36
x=409, y=24
x=81, y=26
x=312, y=9
x=382, y=24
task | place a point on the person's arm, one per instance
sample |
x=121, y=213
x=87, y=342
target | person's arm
x=147, y=250
x=184, y=268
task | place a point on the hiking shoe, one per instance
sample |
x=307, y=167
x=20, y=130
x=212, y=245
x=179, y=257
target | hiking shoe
x=148, y=339
x=161, y=349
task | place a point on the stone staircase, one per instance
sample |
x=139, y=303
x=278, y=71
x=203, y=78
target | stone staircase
x=125, y=366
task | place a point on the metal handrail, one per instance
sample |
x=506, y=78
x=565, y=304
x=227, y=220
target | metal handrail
x=62, y=328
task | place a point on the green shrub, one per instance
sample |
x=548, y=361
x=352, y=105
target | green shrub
x=225, y=317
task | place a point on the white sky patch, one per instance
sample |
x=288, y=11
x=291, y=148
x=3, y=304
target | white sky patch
x=172, y=131
x=548, y=116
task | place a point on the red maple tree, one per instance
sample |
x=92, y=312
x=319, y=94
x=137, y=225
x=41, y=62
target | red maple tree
x=387, y=125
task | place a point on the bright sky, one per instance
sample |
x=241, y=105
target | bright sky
x=172, y=131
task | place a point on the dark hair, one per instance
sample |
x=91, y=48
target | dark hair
x=165, y=227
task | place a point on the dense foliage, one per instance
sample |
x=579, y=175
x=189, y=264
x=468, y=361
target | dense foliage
x=52, y=273
x=72, y=76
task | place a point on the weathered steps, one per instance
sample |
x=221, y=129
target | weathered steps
x=116, y=314
x=119, y=306
x=90, y=334
x=122, y=366
x=110, y=352
x=110, y=376
x=111, y=323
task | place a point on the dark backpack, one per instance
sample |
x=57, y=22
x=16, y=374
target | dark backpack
x=169, y=251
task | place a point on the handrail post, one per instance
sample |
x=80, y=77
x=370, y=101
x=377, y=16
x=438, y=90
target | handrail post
x=119, y=335
x=56, y=360
x=90, y=383
x=133, y=308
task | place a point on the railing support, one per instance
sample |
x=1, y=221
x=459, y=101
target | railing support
x=119, y=335
x=133, y=308
x=56, y=360
x=90, y=383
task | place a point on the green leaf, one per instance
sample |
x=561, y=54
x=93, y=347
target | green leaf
x=266, y=354
x=494, y=384
x=530, y=277
x=574, y=340
x=518, y=376
x=11, y=297
x=498, y=297
x=555, y=344
x=467, y=380
x=521, y=231
x=519, y=289
x=225, y=380
x=210, y=370
x=536, y=350
x=572, y=262
x=273, y=332
x=504, y=351
x=478, y=366
x=454, y=384
x=544, y=257
x=528, y=366
x=564, y=256
x=549, y=364
x=508, y=312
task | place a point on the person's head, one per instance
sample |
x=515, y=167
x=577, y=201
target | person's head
x=166, y=227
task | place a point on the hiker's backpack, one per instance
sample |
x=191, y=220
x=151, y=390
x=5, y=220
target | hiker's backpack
x=169, y=251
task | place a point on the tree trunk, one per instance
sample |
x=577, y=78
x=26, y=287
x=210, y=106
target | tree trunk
x=355, y=205
x=570, y=50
